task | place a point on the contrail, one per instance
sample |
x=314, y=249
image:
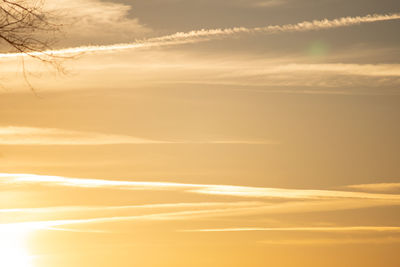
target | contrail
x=207, y=34
x=299, y=27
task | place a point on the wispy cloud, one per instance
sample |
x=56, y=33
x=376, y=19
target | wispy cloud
x=187, y=211
x=269, y=3
x=332, y=241
x=165, y=216
x=259, y=3
x=305, y=229
x=49, y=136
x=205, y=211
x=244, y=191
x=291, y=201
x=268, y=74
x=223, y=190
x=296, y=201
x=206, y=34
x=379, y=187
x=93, y=21
x=66, y=209
x=336, y=68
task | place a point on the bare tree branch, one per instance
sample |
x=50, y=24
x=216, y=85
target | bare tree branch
x=26, y=28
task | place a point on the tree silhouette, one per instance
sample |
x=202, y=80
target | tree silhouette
x=25, y=27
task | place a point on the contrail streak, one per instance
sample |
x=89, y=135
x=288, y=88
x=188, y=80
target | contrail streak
x=207, y=34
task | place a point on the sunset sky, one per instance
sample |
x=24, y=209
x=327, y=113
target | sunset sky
x=205, y=133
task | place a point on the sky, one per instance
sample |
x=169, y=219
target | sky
x=204, y=133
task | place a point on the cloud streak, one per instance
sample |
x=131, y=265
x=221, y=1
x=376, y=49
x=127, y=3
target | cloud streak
x=374, y=70
x=333, y=241
x=206, y=34
x=379, y=187
x=191, y=211
x=166, y=216
x=185, y=215
x=393, y=229
x=222, y=190
x=296, y=201
x=50, y=136
x=66, y=209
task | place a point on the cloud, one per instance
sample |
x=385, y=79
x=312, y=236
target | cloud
x=166, y=216
x=295, y=200
x=112, y=214
x=222, y=190
x=269, y=73
x=260, y=192
x=287, y=74
x=189, y=211
x=379, y=187
x=269, y=3
x=188, y=215
x=94, y=21
x=50, y=136
x=237, y=3
x=333, y=241
x=299, y=27
x=259, y=3
x=66, y=209
x=264, y=76
x=378, y=70
x=207, y=34
x=393, y=229
x=291, y=201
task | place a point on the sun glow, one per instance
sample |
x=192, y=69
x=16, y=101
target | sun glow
x=13, y=250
